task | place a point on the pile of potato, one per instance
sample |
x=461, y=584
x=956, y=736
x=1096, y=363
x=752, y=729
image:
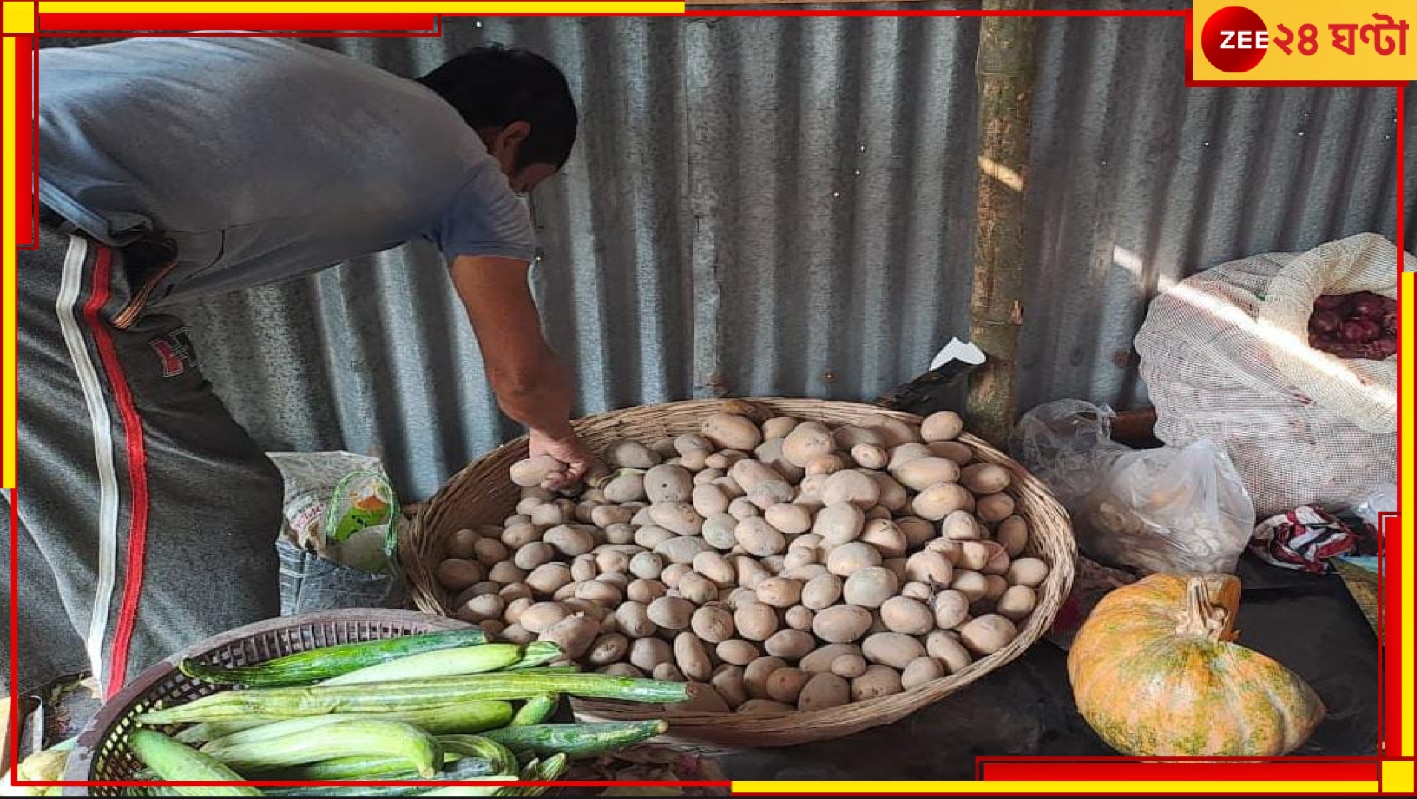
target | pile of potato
x=785, y=564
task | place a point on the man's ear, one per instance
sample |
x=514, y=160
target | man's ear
x=507, y=143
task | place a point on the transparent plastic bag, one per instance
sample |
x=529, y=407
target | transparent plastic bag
x=1382, y=500
x=1068, y=445
x=1158, y=510
x=1169, y=510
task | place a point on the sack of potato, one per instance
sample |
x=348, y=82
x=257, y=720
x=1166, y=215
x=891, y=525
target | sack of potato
x=788, y=565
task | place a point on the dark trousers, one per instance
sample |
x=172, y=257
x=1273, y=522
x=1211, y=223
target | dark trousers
x=147, y=515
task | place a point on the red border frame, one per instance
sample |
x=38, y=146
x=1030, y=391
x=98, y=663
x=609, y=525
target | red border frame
x=1026, y=769
x=423, y=25
x=1390, y=621
x=26, y=144
x=119, y=24
x=14, y=665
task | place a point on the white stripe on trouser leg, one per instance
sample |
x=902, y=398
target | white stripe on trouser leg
x=66, y=307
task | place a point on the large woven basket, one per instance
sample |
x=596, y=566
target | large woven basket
x=101, y=752
x=483, y=493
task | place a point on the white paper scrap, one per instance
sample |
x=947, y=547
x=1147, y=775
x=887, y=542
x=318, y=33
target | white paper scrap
x=958, y=350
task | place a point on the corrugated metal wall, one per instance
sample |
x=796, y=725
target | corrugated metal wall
x=785, y=206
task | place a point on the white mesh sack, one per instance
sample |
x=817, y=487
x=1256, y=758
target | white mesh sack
x=1225, y=357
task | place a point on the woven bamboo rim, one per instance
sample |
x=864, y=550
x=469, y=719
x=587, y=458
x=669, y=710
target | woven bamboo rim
x=482, y=493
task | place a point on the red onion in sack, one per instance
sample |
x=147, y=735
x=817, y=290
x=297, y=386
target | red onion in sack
x=1377, y=349
x=1369, y=306
x=1325, y=322
x=1358, y=325
x=1359, y=332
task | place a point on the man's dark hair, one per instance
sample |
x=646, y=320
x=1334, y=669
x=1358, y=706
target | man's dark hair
x=496, y=86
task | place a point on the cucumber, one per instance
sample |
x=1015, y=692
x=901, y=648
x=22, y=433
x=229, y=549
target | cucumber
x=175, y=762
x=361, y=737
x=536, y=710
x=531, y=772
x=383, y=697
x=365, y=767
x=330, y=661
x=201, y=733
x=552, y=768
x=537, y=653
x=576, y=740
x=391, y=790
x=278, y=729
x=548, y=770
x=442, y=663
x=463, y=770
x=465, y=717
x=502, y=760
x=465, y=790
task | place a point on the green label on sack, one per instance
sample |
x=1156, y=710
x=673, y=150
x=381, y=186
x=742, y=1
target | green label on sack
x=369, y=512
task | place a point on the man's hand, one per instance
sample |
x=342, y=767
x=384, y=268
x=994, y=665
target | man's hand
x=531, y=386
x=566, y=448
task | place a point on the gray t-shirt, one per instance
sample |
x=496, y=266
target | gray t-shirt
x=263, y=159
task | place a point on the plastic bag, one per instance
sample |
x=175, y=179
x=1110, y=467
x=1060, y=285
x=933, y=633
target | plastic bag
x=339, y=533
x=1068, y=445
x=1157, y=510
x=1371, y=509
x=1225, y=357
x=1170, y=510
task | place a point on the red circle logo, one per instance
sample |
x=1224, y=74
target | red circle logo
x=1234, y=39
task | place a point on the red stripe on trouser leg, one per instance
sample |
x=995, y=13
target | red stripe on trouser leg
x=137, y=473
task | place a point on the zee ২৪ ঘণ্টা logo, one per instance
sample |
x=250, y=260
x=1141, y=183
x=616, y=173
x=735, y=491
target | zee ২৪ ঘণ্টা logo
x=1234, y=39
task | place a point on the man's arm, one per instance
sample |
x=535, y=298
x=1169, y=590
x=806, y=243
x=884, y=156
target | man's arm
x=530, y=383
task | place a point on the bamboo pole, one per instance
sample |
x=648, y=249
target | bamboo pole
x=1005, y=70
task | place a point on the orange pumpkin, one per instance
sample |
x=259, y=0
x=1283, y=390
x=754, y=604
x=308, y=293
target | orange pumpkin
x=1156, y=671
